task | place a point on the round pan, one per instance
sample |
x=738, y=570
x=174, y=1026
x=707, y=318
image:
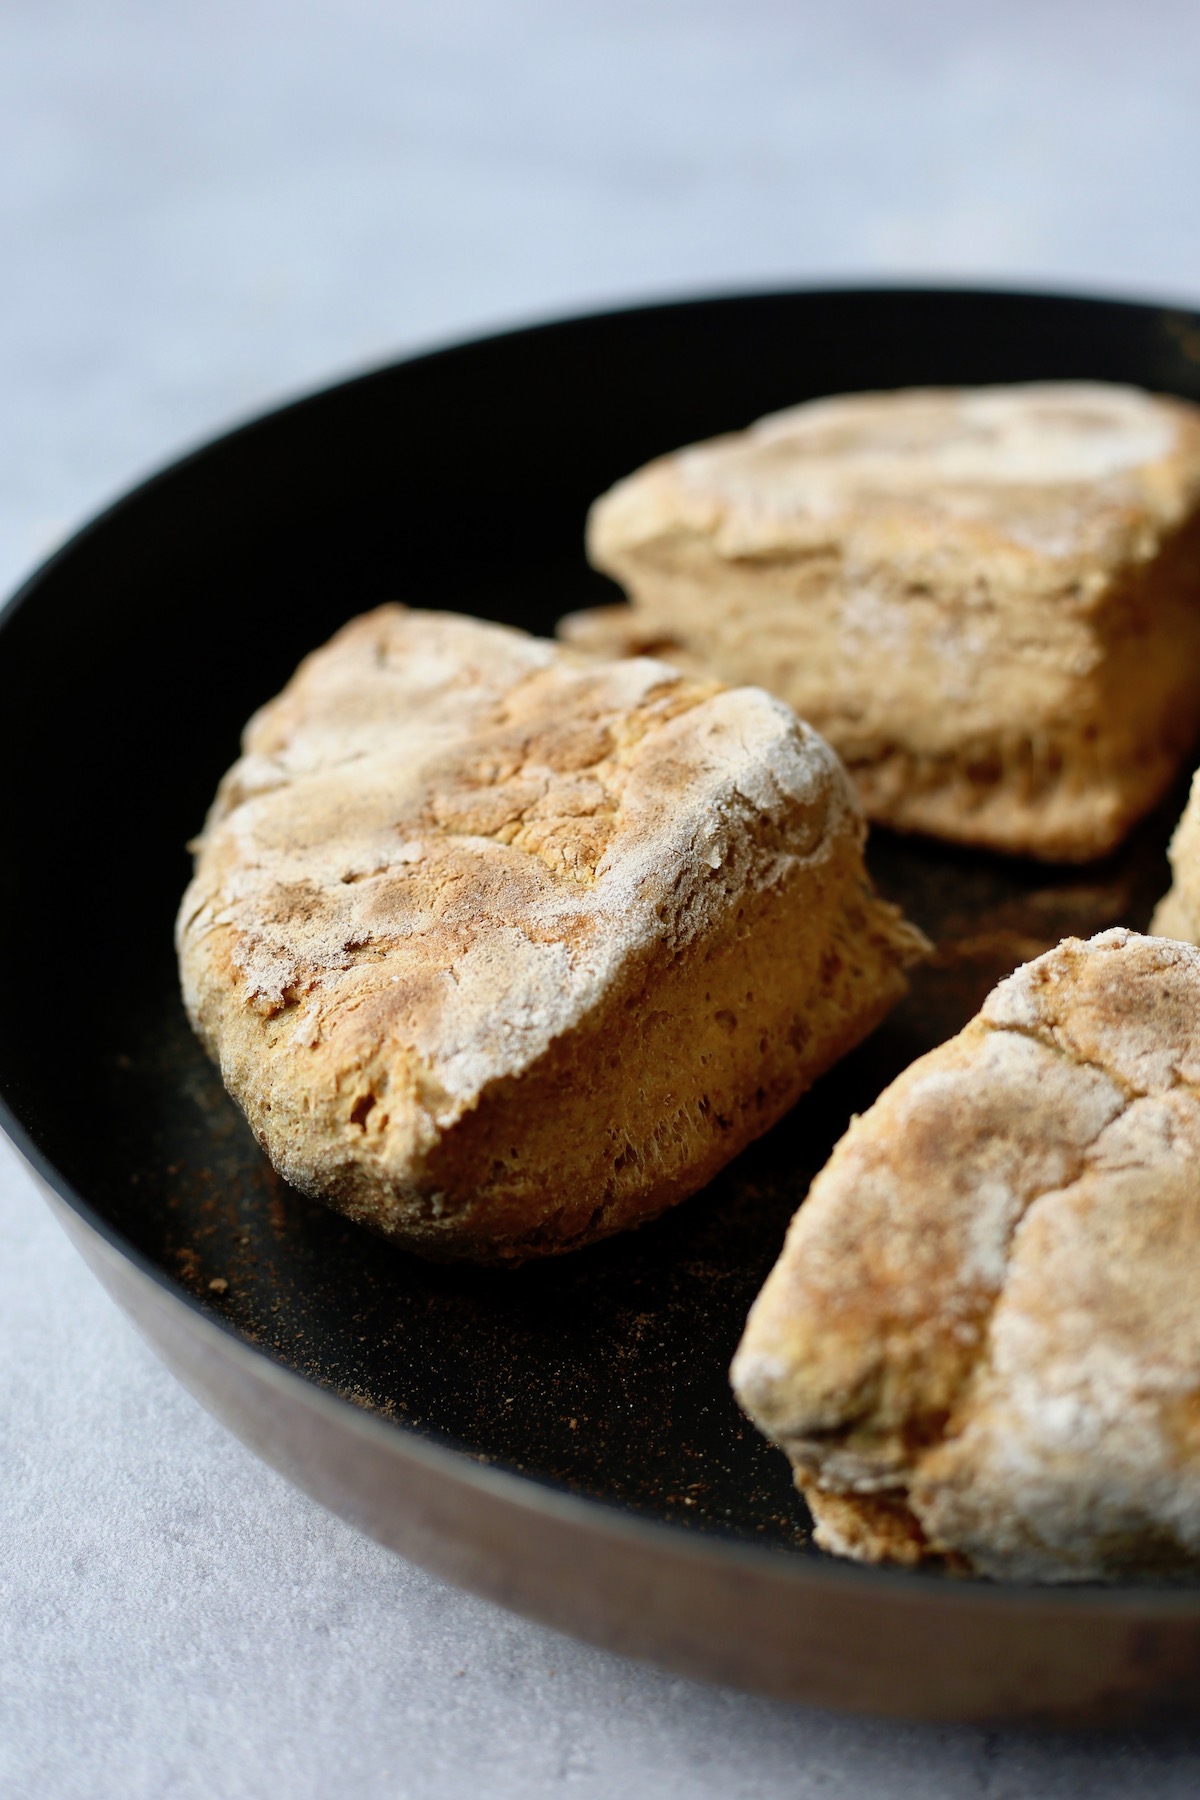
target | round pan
x=562, y=1437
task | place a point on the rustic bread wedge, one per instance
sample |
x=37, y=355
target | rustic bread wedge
x=981, y=1343
x=988, y=600
x=502, y=950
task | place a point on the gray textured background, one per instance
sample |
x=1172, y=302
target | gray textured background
x=201, y=210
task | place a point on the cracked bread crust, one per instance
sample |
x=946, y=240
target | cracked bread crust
x=501, y=950
x=984, y=598
x=980, y=1344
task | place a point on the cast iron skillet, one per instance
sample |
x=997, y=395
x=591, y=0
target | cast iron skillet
x=561, y=1438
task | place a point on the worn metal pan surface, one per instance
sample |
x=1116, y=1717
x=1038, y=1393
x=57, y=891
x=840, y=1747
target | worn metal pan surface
x=561, y=1438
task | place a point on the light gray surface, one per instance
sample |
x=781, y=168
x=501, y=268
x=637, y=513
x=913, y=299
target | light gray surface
x=201, y=209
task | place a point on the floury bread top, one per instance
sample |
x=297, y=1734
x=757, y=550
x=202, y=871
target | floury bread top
x=1050, y=469
x=590, y=806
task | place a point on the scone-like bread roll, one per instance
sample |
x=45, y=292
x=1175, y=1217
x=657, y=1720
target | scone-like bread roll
x=981, y=1342
x=988, y=600
x=501, y=950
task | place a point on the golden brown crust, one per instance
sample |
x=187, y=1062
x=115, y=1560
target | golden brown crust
x=985, y=598
x=487, y=938
x=983, y=1314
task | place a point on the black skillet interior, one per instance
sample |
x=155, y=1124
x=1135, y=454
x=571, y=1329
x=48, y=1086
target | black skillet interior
x=459, y=480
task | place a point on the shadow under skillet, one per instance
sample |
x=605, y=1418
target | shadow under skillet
x=604, y=1371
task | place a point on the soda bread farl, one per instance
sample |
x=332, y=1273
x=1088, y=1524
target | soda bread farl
x=502, y=950
x=981, y=1344
x=988, y=600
